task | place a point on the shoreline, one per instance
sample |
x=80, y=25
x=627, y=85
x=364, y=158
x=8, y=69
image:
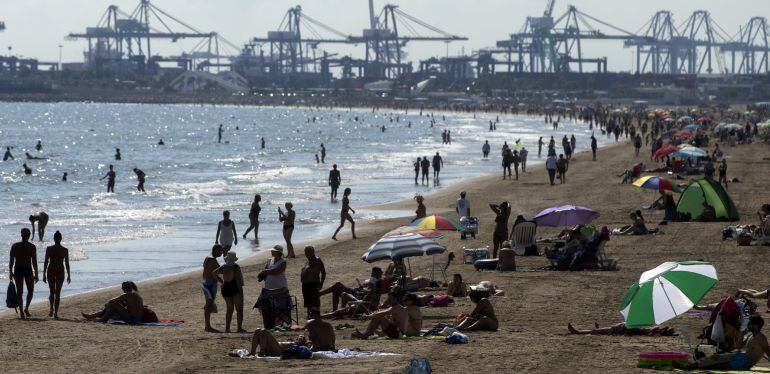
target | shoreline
x=322, y=240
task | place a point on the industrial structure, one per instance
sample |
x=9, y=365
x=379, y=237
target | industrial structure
x=123, y=41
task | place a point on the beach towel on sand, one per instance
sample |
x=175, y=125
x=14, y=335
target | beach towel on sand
x=342, y=353
x=160, y=323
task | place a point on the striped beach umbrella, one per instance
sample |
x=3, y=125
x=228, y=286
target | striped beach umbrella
x=667, y=291
x=402, y=246
x=436, y=223
x=416, y=230
x=652, y=182
x=690, y=152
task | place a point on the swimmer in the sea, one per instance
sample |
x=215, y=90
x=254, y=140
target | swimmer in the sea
x=117, y=154
x=27, y=170
x=39, y=146
x=8, y=155
x=140, y=176
x=31, y=157
x=64, y=177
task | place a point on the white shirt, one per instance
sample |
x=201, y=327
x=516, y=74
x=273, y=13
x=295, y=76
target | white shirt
x=550, y=163
x=463, y=206
x=276, y=281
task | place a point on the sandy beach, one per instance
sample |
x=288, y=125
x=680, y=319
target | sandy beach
x=533, y=314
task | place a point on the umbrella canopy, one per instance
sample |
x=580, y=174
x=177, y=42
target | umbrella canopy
x=727, y=126
x=685, y=134
x=691, y=127
x=685, y=118
x=436, y=223
x=668, y=134
x=415, y=230
x=565, y=215
x=664, y=151
x=690, y=152
x=656, y=183
x=764, y=124
x=402, y=246
x=666, y=292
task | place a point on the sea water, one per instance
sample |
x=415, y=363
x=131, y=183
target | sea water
x=191, y=179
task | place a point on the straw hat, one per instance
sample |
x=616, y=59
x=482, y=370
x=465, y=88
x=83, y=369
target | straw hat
x=230, y=257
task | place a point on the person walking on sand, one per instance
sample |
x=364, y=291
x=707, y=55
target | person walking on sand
x=8, y=156
x=502, y=213
x=312, y=277
x=345, y=215
x=226, y=235
x=523, y=156
x=42, y=221
x=485, y=149
x=254, y=217
x=335, y=179
x=561, y=168
x=23, y=260
x=637, y=144
x=110, y=180
x=593, y=146
x=209, y=285
x=219, y=133
x=507, y=161
x=550, y=166
x=140, y=176
x=288, y=226
x=416, y=171
x=463, y=206
x=323, y=154
x=57, y=260
x=425, y=165
x=232, y=290
x=438, y=163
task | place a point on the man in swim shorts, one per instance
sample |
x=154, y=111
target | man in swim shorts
x=210, y=281
x=335, y=179
x=393, y=321
x=23, y=260
x=754, y=348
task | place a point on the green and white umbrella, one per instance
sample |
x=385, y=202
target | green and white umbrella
x=666, y=292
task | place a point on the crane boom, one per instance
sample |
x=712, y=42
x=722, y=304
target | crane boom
x=549, y=8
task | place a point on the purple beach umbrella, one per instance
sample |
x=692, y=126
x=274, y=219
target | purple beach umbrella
x=565, y=215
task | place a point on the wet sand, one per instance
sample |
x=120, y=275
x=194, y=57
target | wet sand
x=533, y=314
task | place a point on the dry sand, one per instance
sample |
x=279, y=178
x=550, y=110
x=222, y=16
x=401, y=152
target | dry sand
x=533, y=314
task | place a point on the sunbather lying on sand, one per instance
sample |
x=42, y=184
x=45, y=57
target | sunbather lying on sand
x=620, y=329
x=482, y=318
x=370, y=290
x=128, y=307
x=754, y=294
x=320, y=333
x=395, y=320
x=754, y=347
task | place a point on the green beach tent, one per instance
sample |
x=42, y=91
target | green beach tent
x=702, y=189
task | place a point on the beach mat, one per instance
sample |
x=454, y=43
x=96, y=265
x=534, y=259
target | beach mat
x=320, y=355
x=755, y=369
x=160, y=323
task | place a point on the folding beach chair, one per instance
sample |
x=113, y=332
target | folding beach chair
x=523, y=235
x=603, y=261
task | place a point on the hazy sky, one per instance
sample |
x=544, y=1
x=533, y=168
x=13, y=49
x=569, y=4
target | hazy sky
x=35, y=28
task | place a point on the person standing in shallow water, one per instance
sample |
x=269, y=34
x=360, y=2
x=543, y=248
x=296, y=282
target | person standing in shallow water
x=8, y=156
x=140, y=175
x=416, y=171
x=288, y=226
x=254, y=217
x=57, y=260
x=323, y=154
x=219, y=134
x=335, y=179
x=226, y=235
x=345, y=215
x=118, y=157
x=110, y=180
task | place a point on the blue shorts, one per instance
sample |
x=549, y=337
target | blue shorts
x=210, y=290
x=740, y=361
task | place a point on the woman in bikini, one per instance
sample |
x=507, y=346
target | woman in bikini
x=56, y=261
x=232, y=290
x=482, y=317
x=288, y=226
x=345, y=215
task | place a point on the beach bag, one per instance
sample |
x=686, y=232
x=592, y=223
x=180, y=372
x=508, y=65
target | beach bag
x=456, y=338
x=297, y=351
x=419, y=366
x=10, y=296
x=148, y=316
x=531, y=251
